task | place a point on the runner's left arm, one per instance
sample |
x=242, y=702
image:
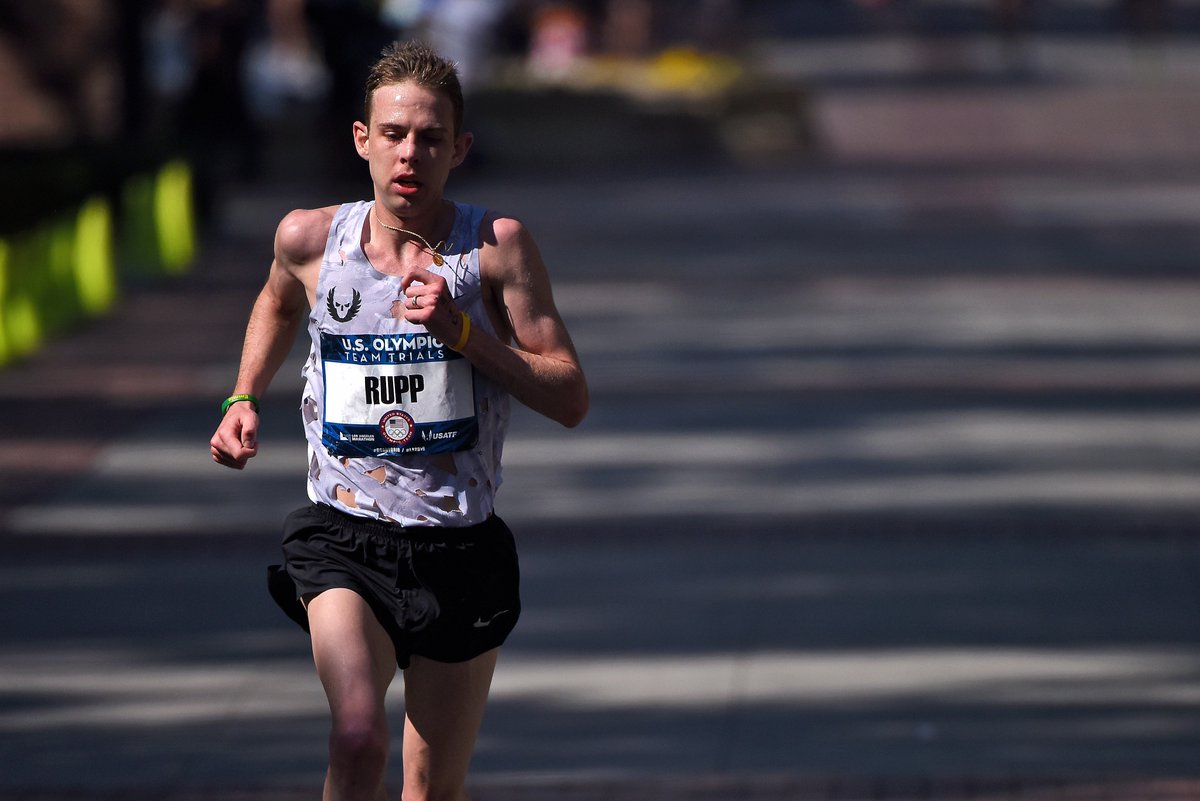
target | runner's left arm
x=535, y=360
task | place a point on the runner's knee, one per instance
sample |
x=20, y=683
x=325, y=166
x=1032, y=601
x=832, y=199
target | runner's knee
x=358, y=742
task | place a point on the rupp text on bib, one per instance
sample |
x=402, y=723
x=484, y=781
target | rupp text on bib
x=396, y=394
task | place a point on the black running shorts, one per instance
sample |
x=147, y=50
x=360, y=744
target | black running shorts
x=448, y=594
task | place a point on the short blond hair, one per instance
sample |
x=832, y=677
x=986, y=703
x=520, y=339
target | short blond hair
x=416, y=62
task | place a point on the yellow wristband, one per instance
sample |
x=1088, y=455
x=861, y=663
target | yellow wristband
x=466, y=332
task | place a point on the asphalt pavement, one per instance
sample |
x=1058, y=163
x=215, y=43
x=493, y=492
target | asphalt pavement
x=889, y=488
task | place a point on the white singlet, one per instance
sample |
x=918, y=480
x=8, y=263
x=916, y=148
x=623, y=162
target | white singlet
x=400, y=428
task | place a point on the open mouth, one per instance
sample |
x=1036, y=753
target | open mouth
x=406, y=186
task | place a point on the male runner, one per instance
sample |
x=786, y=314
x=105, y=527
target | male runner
x=425, y=316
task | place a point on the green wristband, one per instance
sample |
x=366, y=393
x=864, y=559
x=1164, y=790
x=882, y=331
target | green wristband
x=232, y=399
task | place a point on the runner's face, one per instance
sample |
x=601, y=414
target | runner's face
x=410, y=146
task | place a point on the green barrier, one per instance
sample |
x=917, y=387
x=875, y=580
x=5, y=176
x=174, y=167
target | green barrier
x=52, y=277
x=19, y=320
x=4, y=346
x=157, y=221
x=67, y=269
x=139, y=239
x=95, y=272
x=173, y=217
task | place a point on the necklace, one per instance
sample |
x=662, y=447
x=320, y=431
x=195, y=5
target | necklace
x=432, y=251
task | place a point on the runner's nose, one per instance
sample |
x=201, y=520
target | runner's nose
x=408, y=149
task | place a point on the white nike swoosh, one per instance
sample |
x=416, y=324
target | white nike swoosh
x=481, y=623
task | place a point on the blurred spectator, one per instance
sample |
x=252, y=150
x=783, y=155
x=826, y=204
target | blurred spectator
x=169, y=61
x=558, y=40
x=285, y=66
x=512, y=29
x=349, y=34
x=465, y=32
x=627, y=28
x=198, y=64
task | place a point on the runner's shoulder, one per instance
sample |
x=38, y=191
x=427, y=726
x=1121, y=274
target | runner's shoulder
x=302, y=234
x=508, y=246
x=502, y=230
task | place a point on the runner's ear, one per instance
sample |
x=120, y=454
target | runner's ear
x=462, y=145
x=362, y=138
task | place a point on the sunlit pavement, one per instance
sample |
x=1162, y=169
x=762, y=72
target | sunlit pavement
x=888, y=491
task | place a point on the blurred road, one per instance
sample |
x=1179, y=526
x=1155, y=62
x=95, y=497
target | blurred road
x=889, y=488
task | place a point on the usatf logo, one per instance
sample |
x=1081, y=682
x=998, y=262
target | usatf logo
x=397, y=427
x=343, y=312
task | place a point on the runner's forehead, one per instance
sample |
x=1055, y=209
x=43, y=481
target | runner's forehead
x=408, y=100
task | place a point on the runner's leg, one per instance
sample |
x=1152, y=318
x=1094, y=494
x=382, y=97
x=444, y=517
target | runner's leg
x=356, y=662
x=444, y=705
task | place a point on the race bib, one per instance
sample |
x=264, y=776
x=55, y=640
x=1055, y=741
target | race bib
x=396, y=394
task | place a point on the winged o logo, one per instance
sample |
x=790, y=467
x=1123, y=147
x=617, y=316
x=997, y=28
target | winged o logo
x=343, y=312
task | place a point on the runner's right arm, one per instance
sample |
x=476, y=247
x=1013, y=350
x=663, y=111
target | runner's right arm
x=271, y=331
